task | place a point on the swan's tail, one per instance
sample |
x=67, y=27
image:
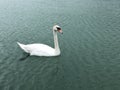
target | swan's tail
x=22, y=46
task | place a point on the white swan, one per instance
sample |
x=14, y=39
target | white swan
x=42, y=49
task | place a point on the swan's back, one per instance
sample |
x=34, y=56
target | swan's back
x=38, y=49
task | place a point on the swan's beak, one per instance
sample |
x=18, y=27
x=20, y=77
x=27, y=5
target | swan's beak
x=60, y=31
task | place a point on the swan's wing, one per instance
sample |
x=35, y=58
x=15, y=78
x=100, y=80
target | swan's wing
x=40, y=49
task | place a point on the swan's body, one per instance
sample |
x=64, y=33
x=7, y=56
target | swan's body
x=42, y=49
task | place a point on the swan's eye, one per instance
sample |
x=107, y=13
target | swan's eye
x=58, y=28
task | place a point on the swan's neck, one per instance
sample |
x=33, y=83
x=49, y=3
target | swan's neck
x=56, y=44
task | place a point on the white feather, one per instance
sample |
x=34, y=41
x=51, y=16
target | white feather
x=42, y=49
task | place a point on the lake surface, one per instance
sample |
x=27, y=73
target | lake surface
x=90, y=45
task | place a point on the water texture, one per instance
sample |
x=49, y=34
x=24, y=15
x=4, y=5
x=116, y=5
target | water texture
x=90, y=45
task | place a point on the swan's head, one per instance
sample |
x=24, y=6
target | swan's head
x=57, y=28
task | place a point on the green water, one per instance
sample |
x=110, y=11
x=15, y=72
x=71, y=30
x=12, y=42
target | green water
x=90, y=45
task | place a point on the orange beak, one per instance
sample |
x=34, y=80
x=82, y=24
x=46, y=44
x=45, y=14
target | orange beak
x=60, y=31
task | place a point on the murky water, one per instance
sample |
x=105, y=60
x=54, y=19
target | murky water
x=90, y=45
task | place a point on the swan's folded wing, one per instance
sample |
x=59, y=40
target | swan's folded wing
x=40, y=49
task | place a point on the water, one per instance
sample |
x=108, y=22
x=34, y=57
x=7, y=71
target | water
x=90, y=45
